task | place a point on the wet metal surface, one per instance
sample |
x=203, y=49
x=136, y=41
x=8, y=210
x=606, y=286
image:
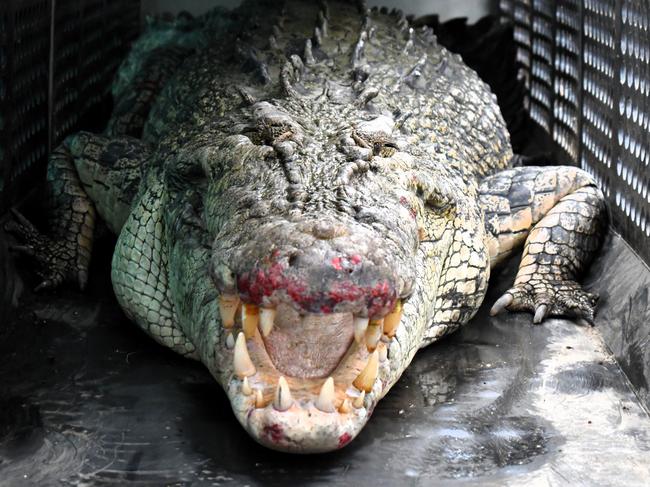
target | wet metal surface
x=87, y=399
x=624, y=319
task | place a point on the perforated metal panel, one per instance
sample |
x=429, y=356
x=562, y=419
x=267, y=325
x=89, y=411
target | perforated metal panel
x=598, y=67
x=632, y=172
x=24, y=66
x=521, y=14
x=541, y=65
x=599, y=90
x=566, y=71
x=90, y=38
x=67, y=66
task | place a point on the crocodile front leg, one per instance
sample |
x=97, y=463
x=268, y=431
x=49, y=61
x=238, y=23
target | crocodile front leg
x=86, y=173
x=140, y=274
x=559, y=215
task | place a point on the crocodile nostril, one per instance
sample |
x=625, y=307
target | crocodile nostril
x=293, y=260
x=329, y=229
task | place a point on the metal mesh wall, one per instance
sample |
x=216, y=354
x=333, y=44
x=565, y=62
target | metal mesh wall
x=91, y=38
x=24, y=66
x=587, y=66
x=57, y=59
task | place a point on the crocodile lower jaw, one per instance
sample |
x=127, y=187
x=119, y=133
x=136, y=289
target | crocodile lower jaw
x=321, y=406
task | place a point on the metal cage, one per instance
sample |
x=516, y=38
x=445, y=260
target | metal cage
x=587, y=70
x=57, y=59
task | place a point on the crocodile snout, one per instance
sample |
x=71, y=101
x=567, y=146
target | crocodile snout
x=320, y=280
x=318, y=266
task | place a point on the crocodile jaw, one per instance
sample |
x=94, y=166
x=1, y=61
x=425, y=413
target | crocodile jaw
x=299, y=424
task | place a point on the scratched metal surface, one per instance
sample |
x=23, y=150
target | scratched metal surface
x=86, y=399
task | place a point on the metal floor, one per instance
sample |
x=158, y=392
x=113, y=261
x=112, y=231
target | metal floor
x=87, y=399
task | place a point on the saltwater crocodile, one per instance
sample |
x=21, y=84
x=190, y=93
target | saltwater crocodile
x=305, y=196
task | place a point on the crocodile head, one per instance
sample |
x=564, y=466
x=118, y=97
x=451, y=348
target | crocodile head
x=327, y=241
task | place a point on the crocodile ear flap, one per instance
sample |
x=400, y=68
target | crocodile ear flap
x=436, y=193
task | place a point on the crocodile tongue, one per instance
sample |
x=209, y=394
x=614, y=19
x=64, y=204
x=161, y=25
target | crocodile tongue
x=309, y=345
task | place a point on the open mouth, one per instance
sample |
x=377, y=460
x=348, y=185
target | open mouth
x=286, y=360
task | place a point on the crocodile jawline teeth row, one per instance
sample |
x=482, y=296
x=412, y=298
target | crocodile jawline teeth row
x=367, y=333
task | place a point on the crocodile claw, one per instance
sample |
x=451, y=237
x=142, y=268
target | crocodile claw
x=584, y=322
x=500, y=304
x=53, y=262
x=540, y=314
x=549, y=297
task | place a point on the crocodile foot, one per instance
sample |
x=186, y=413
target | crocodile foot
x=56, y=261
x=549, y=297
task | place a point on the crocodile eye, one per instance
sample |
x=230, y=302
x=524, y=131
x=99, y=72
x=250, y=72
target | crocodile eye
x=434, y=192
x=441, y=202
x=185, y=172
x=385, y=149
x=436, y=200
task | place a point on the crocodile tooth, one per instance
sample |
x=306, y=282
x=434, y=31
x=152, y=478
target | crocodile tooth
x=246, y=388
x=230, y=341
x=308, y=54
x=282, y=400
x=267, y=320
x=358, y=401
x=360, y=327
x=325, y=401
x=392, y=320
x=383, y=351
x=366, y=378
x=346, y=407
x=373, y=334
x=259, y=399
x=242, y=362
x=250, y=317
x=228, y=304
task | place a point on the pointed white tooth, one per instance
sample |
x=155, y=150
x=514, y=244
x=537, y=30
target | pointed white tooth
x=366, y=378
x=373, y=334
x=242, y=362
x=250, y=317
x=228, y=304
x=246, y=388
x=230, y=341
x=382, y=349
x=282, y=400
x=325, y=401
x=259, y=399
x=358, y=401
x=267, y=320
x=346, y=407
x=360, y=327
x=392, y=320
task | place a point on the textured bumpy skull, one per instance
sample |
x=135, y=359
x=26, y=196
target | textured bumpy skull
x=316, y=236
x=311, y=223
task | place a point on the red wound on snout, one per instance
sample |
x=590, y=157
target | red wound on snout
x=344, y=439
x=254, y=286
x=274, y=433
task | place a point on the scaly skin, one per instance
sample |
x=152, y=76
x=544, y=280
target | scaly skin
x=328, y=176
